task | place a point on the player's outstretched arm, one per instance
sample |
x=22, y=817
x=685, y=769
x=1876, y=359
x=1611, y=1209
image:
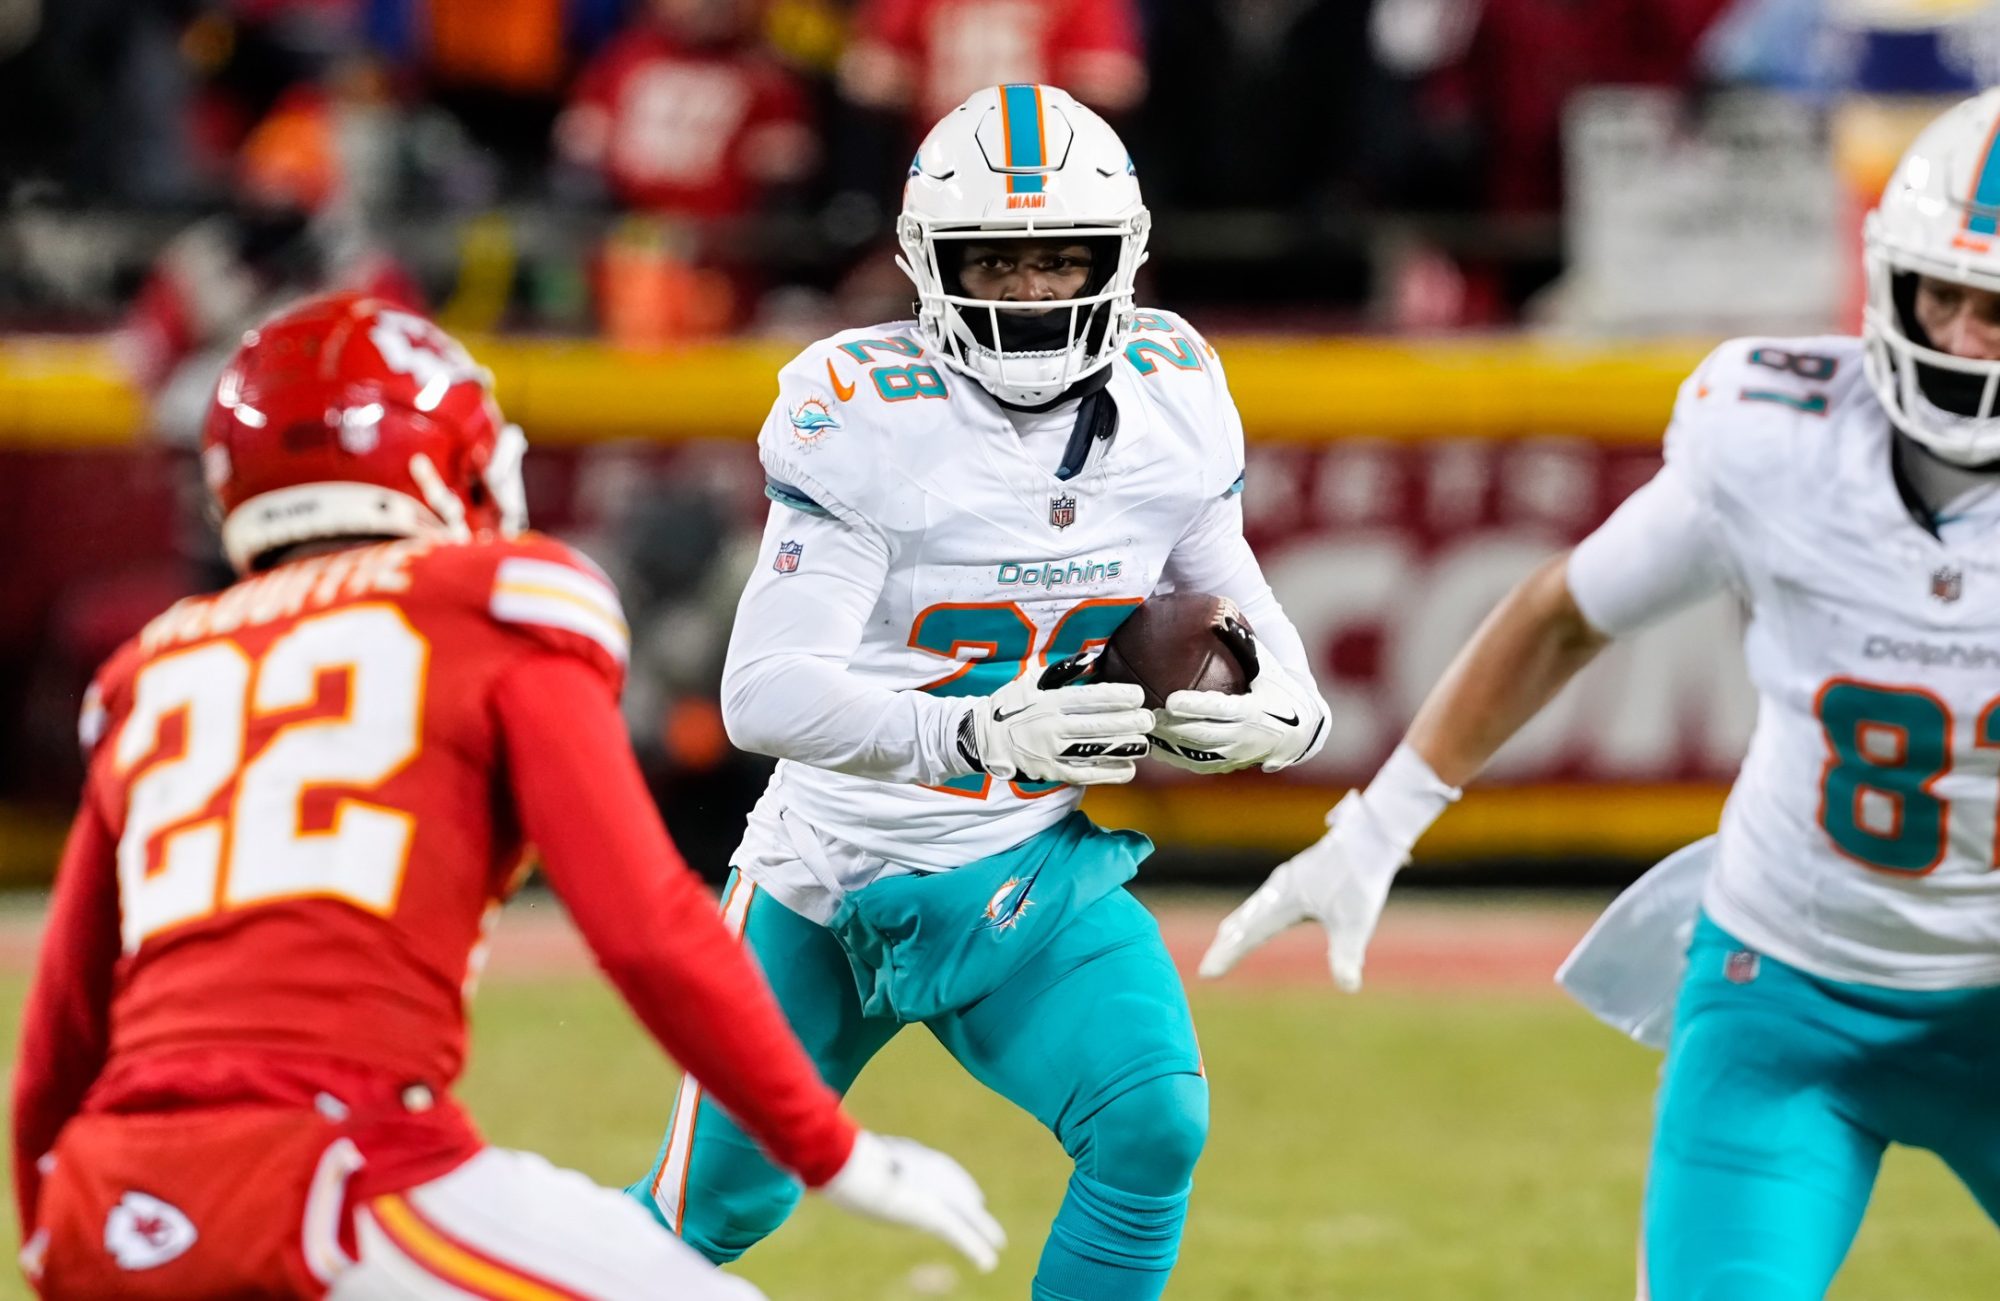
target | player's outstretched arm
x=65, y=1028
x=1659, y=551
x=655, y=931
x=1521, y=656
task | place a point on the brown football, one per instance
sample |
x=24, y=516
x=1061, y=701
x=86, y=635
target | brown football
x=1175, y=643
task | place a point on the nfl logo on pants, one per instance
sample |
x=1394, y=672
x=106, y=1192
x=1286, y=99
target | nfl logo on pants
x=788, y=556
x=1062, y=511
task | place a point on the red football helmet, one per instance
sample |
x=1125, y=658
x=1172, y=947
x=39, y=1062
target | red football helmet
x=347, y=416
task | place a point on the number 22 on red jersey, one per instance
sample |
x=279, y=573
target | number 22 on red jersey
x=235, y=830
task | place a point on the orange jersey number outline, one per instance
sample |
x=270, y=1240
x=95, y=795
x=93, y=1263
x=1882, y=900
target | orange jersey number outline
x=259, y=852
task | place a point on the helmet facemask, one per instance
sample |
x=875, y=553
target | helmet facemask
x=1948, y=404
x=1025, y=354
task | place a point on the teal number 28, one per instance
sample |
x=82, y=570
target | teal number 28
x=1002, y=639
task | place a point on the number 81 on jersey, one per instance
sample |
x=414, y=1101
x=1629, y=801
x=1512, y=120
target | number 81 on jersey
x=1886, y=748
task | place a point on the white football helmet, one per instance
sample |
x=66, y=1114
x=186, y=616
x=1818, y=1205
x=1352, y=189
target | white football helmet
x=1023, y=162
x=1940, y=217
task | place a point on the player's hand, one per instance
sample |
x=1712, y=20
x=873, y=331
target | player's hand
x=904, y=1182
x=1043, y=730
x=1274, y=724
x=1342, y=879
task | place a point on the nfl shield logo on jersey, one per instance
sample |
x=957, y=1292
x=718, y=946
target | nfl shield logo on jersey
x=142, y=1231
x=1740, y=967
x=1947, y=583
x=1062, y=511
x=788, y=556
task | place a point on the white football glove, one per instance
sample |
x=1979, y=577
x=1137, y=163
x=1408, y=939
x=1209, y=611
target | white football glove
x=903, y=1182
x=1043, y=730
x=1342, y=879
x=1276, y=723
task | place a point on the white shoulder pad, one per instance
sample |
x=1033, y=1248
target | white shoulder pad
x=842, y=406
x=1182, y=371
x=1758, y=410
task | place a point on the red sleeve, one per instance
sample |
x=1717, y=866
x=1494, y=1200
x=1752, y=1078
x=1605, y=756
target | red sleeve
x=65, y=1028
x=650, y=921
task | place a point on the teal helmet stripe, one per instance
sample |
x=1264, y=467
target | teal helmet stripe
x=1021, y=115
x=1986, y=194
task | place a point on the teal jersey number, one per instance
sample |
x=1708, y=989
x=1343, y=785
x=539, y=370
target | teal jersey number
x=897, y=383
x=1181, y=355
x=900, y=383
x=1007, y=637
x=863, y=350
x=1805, y=365
x=1086, y=625
x=1891, y=744
x=1002, y=631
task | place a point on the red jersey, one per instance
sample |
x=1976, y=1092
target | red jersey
x=690, y=131
x=308, y=793
x=931, y=54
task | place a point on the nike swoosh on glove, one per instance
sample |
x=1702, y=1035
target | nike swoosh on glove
x=1046, y=730
x=1275, y=724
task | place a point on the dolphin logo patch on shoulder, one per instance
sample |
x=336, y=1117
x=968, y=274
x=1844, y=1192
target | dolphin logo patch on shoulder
x=812, y=421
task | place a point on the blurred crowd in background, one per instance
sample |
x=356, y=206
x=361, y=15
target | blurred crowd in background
x=650, y=173
x=660, y=169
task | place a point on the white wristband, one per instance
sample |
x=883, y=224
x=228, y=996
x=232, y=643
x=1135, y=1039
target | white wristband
x=1405, y=798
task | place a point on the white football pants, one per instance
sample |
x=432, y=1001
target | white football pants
x=510, y=1224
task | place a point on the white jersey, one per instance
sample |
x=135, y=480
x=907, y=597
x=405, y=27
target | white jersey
x=922, y=550
x=1859, y=840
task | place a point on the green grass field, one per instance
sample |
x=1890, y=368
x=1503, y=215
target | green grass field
x=1404, y=1145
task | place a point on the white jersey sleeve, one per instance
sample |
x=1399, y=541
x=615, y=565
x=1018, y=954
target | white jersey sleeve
x=808, y=443
x=1213, y=557
x=1664, y=547
x=1199, y=394
x=786, y=689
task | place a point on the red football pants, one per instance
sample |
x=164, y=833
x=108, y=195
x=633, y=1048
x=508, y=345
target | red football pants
x=225, y=1202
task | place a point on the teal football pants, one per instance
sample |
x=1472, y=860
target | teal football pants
x=1092, y=1037
x=1781, y=1092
